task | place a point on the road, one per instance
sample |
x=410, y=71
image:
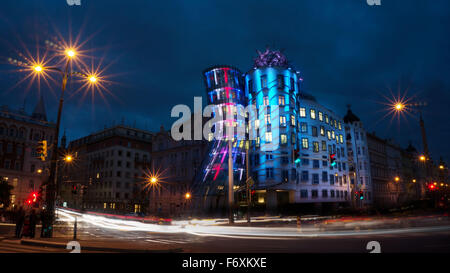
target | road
x=418, y=234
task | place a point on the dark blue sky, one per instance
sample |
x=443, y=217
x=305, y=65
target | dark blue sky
x=348, y=53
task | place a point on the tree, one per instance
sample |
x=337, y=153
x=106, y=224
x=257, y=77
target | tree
x=5, y=193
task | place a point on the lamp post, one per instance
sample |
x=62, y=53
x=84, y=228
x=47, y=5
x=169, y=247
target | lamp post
x=51, y=185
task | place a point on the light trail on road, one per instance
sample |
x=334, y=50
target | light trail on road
x=210, y=228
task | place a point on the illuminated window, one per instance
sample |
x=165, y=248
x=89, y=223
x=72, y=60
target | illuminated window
x=324, y=145
x=283, y=121
x=313, y=114
x=283, y=139
x=316, y=146
x=322, y=130
x=267, y=118
x=256, y=123
x=305, y=144
x=328, y=134
x=320, y=116
x=268, y=136
x=339, y=126
x=302, y=112
x=335, y=124
x=333, y=136
x=292, y=120
x=258, y=140
x=341, y=138
x=326, y=119
x=281, y=100
x=266, y=100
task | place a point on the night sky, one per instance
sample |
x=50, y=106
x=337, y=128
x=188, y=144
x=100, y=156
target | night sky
x=347, y=51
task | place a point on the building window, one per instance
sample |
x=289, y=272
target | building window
x=313, y=114
x=316, y=146
x=305, y=176
x=303, y=127
x=268, y=136
x=314, y=131
x=324, y=193
x=283, y=121
x=269, y=172
x=304, y=193
x=266, y=100
x=331, y=193
x=305, y=143
x=328, y=134
x=320, y=116
x=305, y=162
x=341, y=139
x=302, y=112
x=281, y=100
x=339, y=126
x=326, y=119
x=280, y=81
x=292, y=86
x=324, y=176
x=331, y=179
x=283, y=139
x=322, y=130
x=267, y=118
x=316, y=164
x=264, y=81
x=314, y=194
x=292, y=120
x=324, y=163
x=315, y=178
x=324, y=145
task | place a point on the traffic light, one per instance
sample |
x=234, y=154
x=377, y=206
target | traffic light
x=361, y=195
x=32, y=198
x=74, y=189
x=332, y=160
x=432, y=187
x=296, y=156
x=42, y=149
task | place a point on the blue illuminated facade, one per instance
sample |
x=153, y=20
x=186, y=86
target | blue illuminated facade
x=294, y=139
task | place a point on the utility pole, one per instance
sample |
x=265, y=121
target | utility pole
x=248, y=182
x=230, y=180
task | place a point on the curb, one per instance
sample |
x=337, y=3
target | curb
x=94, y=248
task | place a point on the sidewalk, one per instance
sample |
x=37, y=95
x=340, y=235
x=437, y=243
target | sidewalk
x=112, y=246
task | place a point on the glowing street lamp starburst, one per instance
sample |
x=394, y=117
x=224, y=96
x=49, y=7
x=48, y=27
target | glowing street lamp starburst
x=153, y=179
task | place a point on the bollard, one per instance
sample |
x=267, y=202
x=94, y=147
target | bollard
x=75, y=229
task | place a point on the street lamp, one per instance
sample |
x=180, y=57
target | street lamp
x=397, y=178
x=422, y=158
x=68, y=158
x=187, y=196
x=40, y=67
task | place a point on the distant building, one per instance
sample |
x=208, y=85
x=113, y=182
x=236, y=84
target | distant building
x=388, y=173
x=108, y=170
x=20, y=134
x=178, y=162
x=358, y=161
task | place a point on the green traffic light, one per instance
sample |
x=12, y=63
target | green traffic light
x=297, y=160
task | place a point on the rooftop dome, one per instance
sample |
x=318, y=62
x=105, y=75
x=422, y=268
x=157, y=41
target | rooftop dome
x=270, y=58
